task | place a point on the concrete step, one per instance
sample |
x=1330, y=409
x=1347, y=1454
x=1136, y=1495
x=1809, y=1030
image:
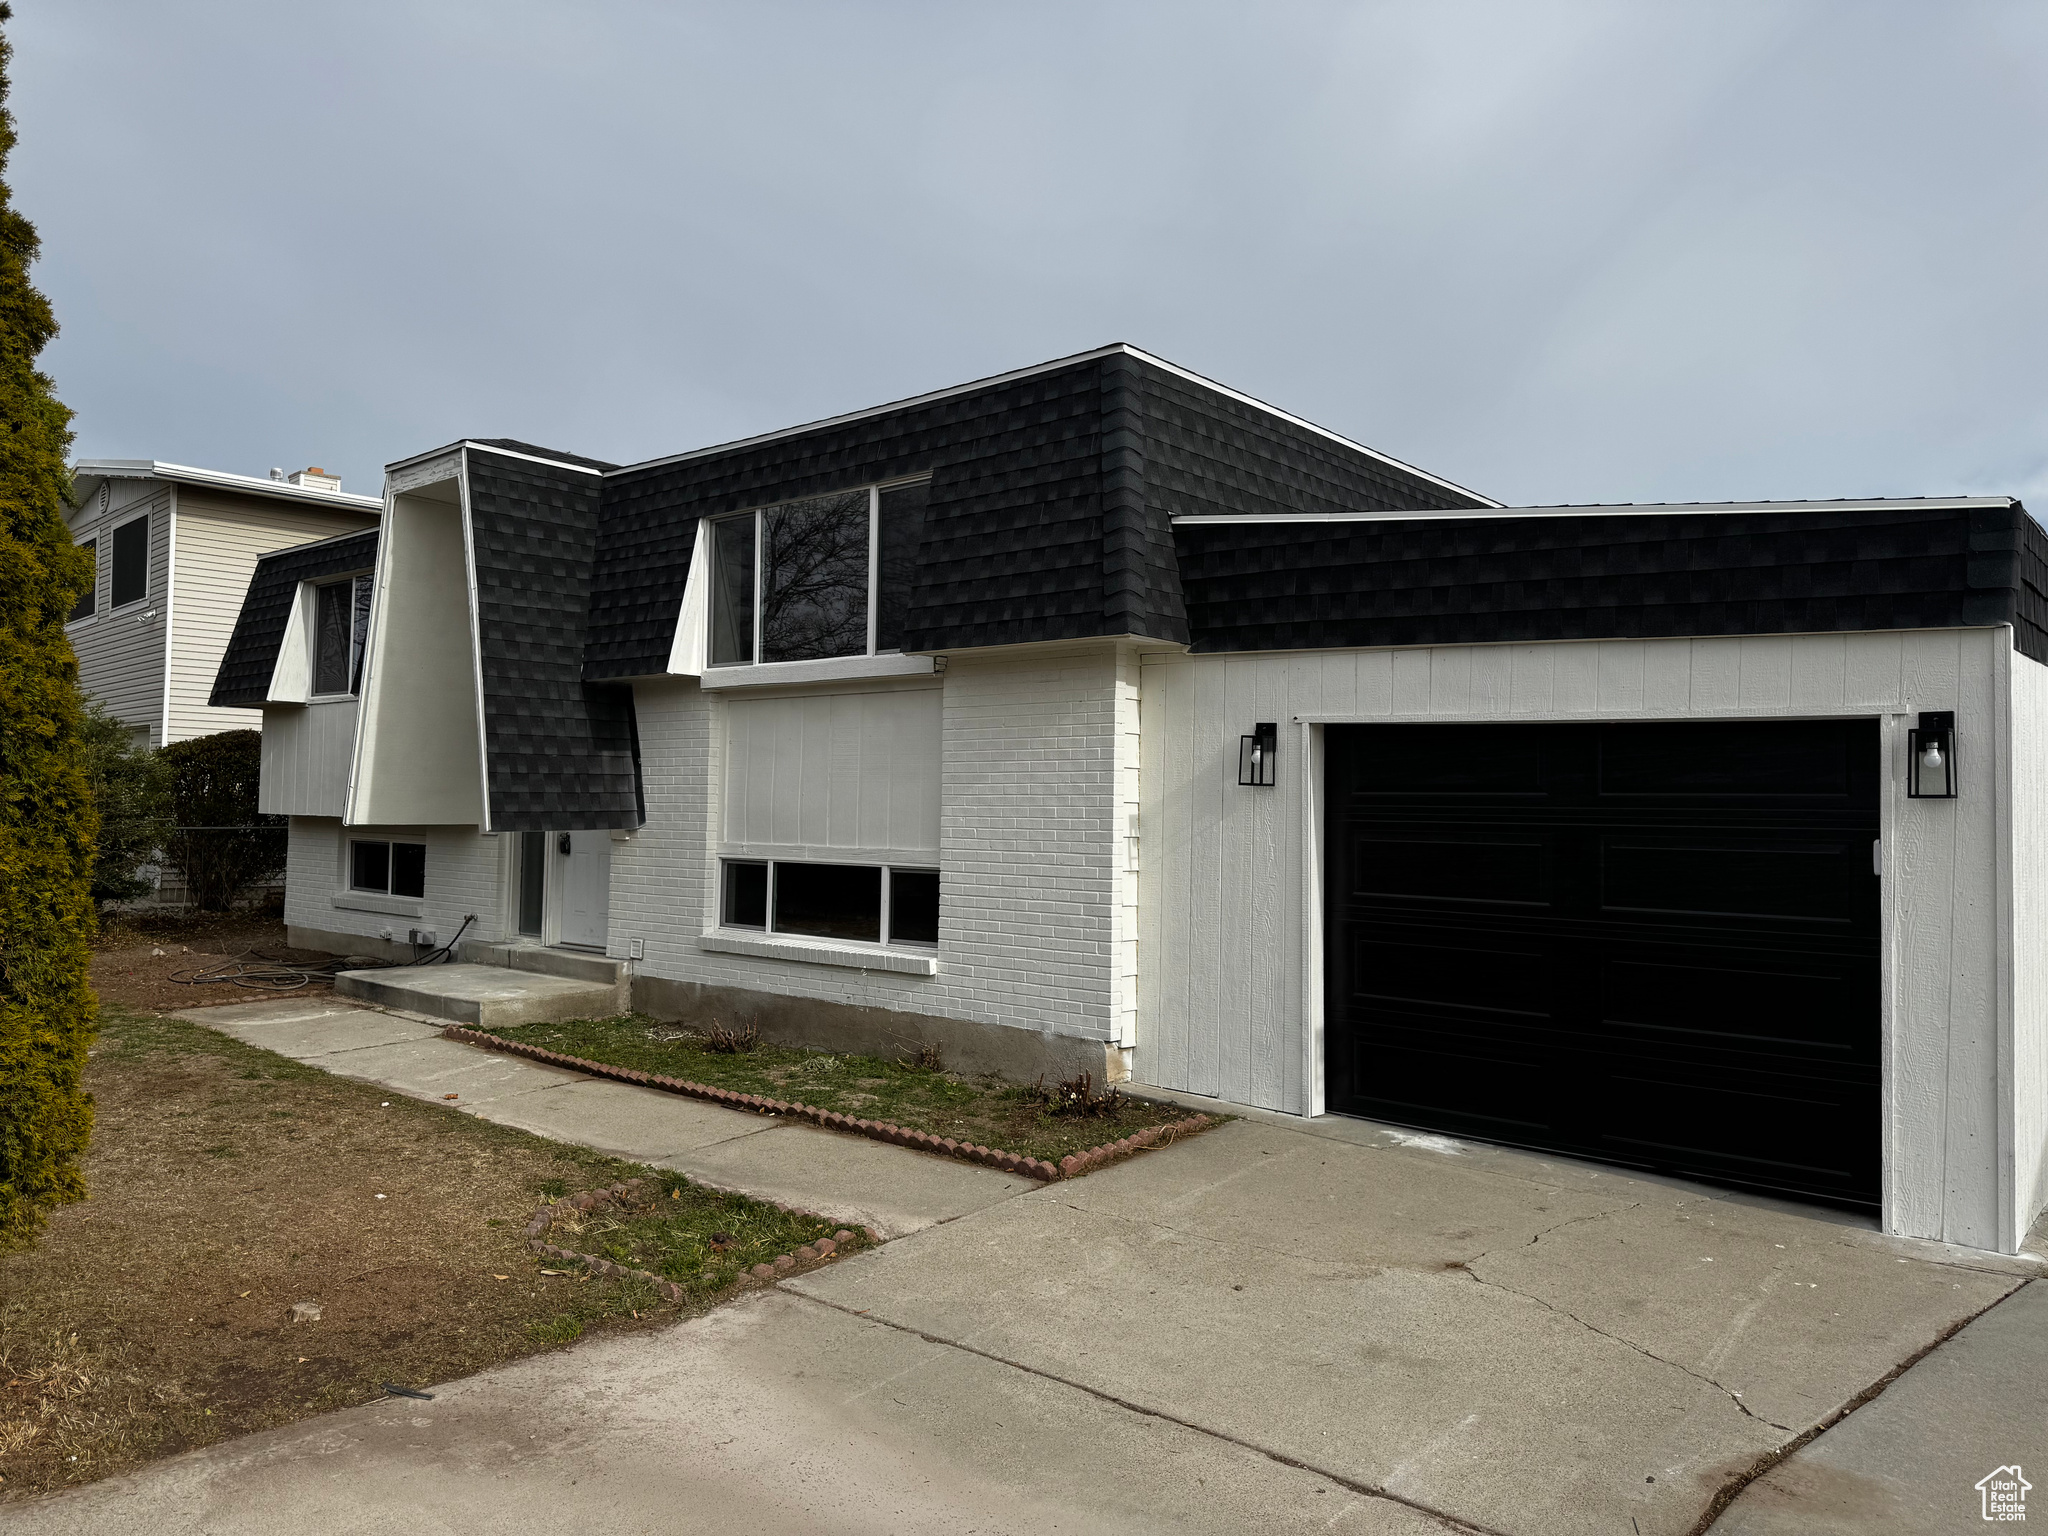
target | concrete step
x=480, y=994
x=576, y=964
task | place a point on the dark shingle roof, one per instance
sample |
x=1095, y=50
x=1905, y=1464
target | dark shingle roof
x=1311, y=585
x=559, y=751
x=513, y=445
x=251, y=656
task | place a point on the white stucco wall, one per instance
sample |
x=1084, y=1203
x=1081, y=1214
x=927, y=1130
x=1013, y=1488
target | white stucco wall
x=1230, y=962
x=1031, y=843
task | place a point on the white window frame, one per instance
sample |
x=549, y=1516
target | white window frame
x=760, y=517
x=109, y=533
x=348, y=868
x=768, y=930
x=356, y=663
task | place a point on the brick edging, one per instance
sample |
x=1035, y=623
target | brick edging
x=1072, y=1166
x=625, y=1193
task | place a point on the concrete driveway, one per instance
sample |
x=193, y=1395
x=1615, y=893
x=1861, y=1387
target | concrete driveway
x=1271, y=1327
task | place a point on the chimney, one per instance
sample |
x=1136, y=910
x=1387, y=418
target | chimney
x=315, y=479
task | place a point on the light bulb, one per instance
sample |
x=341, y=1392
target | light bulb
x=1930, y=757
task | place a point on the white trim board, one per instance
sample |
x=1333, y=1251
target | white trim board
x=220, y=479
x=1605, y=509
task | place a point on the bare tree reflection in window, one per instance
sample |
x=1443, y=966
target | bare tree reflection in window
x=814, y=579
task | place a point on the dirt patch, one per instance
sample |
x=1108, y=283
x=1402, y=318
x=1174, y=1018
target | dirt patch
x=156, y=964
x=228, y=1184
x=916, y=1094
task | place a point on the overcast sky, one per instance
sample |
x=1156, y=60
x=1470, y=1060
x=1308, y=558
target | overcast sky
x=1556, y=252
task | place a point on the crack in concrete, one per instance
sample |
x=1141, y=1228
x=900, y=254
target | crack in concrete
x=1733, y=1396
x=1368, y=1490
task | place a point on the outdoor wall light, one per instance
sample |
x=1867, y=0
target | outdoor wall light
x=1256, y=755
x=1931, y=757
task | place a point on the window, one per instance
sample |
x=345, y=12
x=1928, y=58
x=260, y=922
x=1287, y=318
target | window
x=865, y=903
x=88, y=600
x=391, y=869
x=533, y=868
x=341, y=625
x=131, y=563
x=823, y=577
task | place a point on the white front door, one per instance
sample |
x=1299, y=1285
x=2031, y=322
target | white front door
x=583, y=865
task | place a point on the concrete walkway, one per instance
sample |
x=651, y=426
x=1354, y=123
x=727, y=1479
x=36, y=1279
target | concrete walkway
x=1270, y=1328
x=891, y=1189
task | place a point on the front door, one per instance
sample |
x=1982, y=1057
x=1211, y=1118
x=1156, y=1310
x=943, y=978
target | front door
x=583, y=866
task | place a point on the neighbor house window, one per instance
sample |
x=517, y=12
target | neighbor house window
x=866, y=903
x=131, y=563
x=88, y=600
x=390, y=869
x=341, y=626
x=823, y=577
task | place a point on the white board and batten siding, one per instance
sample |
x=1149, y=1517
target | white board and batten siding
x=220, y=537
x=306, y=750
x=1230, y=961
x=2027, y=1071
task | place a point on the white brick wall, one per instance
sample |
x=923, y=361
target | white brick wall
x=462, y=877
x=1037, y=915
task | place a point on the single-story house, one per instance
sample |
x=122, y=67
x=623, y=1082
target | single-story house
x=1099, y=717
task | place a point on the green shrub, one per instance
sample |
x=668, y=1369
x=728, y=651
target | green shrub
x=131, y=789
x=221, y=842
x=47, y=826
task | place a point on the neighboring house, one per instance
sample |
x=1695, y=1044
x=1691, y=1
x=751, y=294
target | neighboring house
x=1096, y=716
x=174, y=549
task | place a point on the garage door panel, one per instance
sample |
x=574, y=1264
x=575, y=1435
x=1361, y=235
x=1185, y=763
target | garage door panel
x=1481, y=977
x=1654, y=945
x=1736, y=1006
x=1733, y=881
x=1449, y=867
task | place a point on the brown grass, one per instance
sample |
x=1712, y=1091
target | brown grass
x=229, y=1183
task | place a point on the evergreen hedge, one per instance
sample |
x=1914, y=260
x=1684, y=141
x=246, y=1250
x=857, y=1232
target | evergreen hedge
x=131, y=790
x=47, y=823
x=221, y=842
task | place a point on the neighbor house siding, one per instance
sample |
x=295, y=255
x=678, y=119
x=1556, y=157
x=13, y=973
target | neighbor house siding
x=121, y=655
x=1029, y=842
x=220, y=539
x=1229, y=955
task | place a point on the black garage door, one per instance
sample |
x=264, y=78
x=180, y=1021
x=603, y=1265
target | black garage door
x=1654, y=944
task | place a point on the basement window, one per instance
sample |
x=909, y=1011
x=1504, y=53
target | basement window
x=860, y=903
x=341, y=630
x=823, y=577
x=389, y=869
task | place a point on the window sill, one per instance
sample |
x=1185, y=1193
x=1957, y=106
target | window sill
x=780, y=946
x=765, y=674
x=370, y=901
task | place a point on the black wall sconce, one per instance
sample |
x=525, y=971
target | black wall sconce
x=1256, y=755
x=1931, y=757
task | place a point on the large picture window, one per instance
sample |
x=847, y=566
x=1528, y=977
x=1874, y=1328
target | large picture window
x=341, y=624
x=864, y=903
x=823, y=577
x=389, y=869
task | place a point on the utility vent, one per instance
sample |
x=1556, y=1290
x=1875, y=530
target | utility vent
x=315, y=479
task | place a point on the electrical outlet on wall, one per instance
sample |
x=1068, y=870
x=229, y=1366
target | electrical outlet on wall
x=636, y=949
x=425, y=936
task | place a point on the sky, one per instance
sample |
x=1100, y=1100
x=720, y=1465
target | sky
x=1554, y=251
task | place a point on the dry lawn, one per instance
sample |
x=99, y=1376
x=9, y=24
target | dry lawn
x=229, y=1183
